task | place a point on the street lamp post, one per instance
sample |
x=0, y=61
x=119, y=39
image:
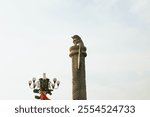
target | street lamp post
x=43, y=86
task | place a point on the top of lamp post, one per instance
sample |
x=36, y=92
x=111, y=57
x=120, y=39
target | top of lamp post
x=43, y=86
x=44, y=76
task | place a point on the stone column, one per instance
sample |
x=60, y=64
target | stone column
x=78, y=72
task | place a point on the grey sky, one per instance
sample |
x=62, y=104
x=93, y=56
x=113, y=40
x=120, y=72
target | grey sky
x=35, y=36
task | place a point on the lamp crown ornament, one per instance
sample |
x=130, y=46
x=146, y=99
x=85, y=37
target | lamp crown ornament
x=43, y=86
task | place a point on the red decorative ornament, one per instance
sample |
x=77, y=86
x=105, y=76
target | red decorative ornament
x=43, y=96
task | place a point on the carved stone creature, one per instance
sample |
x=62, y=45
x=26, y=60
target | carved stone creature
x=78, y=42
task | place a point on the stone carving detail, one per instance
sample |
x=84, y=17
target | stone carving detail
x=78, y=42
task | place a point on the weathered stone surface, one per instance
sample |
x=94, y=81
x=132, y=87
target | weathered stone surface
x=78, y=74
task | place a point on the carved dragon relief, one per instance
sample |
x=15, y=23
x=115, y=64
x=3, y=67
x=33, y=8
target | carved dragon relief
x=78, y=42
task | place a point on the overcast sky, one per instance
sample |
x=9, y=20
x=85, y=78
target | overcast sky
x=35, y=37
